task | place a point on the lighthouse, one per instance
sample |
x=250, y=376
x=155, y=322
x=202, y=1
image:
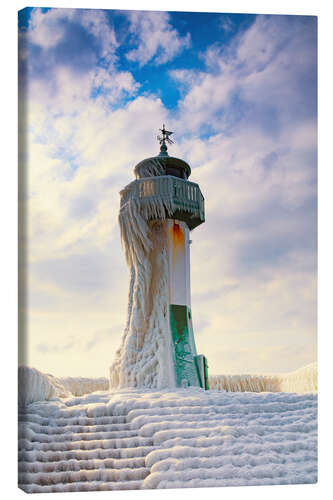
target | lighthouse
x=158, y=210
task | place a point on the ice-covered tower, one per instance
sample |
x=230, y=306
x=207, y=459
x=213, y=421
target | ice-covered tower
x=157, y=212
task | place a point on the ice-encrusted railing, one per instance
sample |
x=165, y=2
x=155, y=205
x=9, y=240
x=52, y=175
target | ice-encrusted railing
x=176, y=193
x=303, y=380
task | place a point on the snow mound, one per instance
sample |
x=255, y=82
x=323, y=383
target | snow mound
x=300, y=381
x=34, y=386
x=167, y=439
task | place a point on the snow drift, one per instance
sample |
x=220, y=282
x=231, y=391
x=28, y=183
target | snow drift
x=300, y=381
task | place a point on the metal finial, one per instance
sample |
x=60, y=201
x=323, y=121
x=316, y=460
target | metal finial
x=165, y=138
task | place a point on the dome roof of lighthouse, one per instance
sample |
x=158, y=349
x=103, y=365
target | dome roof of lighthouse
x=163, y=164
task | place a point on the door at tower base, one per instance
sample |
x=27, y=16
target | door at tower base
x=190, y=369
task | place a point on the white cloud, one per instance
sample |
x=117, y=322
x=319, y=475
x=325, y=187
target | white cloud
x=253, y=261
x=266, y=76
x=115, y=84
x=226, y=24
x=208, y=96
x=258, y=175
x=183, y=75
x=157, y=40
x=96, y=23
x=262, y=41
x=48, y=28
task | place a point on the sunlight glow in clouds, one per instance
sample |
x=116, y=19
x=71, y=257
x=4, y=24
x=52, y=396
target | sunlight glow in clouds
x=240, y=93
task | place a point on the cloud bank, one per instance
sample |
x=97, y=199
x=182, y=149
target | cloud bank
x=244, y=116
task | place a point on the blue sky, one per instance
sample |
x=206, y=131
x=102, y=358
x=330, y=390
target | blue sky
x=240, y=93
x=187, y=36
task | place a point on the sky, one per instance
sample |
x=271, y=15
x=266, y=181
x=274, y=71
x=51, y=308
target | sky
x=239, y=92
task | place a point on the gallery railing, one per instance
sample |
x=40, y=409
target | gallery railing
x=183, y=198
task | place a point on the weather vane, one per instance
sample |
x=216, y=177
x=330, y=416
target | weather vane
x=165, y=136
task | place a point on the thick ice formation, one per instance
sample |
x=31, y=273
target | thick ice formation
x=34, y=385
x=78, y=386
x=244, y=383
x=300, y=381
x=167, y=439
x=144, y=358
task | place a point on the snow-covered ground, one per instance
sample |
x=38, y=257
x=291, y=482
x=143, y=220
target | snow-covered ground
x=178, y=438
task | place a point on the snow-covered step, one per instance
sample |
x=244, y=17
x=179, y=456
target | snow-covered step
x=182, y=438
x=199, y=456
x=223, y=458
x=160, y=411
x=228, y=408
x=77, y=420
x=198, y=428
x=51, y=429
x=81, y=486
x=259, y=474
x=28, y=433
x=70, y=476
x=96, y=453
x=225, y=419
x=130, y=442
x=76, y=465
x=244, y=479
x=170, y=441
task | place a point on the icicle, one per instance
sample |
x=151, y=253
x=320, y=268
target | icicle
x=150, y=168
x=144, y=357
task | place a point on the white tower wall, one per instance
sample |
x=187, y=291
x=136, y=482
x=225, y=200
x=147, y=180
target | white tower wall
x=178, y=248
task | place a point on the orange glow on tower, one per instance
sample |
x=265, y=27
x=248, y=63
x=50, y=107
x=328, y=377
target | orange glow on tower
x=177, y=234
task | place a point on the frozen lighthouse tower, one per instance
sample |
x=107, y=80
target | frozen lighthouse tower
x=157, y=212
